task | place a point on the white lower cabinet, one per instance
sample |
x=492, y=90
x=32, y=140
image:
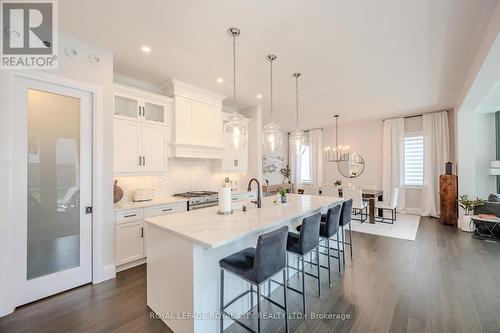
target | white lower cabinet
x=130, y=232
x=129, y=242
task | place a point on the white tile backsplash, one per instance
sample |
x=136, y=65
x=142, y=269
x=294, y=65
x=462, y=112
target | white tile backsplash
x=184, y=174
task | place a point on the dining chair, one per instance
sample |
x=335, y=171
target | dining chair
x=330, y=191
x=310, y=190
x=391, y=205
x=359, y=207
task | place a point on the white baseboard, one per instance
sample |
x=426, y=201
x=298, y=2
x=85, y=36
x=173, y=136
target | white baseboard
x=6, y=311
x=108, y=272
x=130, y=265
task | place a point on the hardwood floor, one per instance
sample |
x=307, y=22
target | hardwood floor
x=443, y=281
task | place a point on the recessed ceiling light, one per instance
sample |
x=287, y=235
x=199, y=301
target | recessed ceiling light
x=146, y=49
x=259, y=96
x=220, y=80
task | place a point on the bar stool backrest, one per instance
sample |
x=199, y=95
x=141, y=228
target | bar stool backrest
x=270, y=254
x=309, y=233
x=332, y=220
x=345, y=216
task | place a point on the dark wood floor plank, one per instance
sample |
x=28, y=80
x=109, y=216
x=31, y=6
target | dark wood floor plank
x=444, y=281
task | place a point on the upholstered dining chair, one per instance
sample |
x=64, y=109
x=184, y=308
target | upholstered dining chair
x=358, y=205
x=391, y=206
x=330, y=191
x=311, y=190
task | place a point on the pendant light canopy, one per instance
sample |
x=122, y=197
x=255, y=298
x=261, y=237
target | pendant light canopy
x=272, y=136
x=235, y=129
x=297, y=137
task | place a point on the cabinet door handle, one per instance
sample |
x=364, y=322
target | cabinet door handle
x=142, y=232
x=143, y=111
x=139, y=110
x=143, y=160
x=166, y=210
x=140, y=160
x=130, y=215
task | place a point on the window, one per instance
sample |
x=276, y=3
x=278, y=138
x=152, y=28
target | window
x=414, y=160
x=305, y=166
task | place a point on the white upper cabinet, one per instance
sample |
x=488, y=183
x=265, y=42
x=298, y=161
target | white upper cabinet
x=197, y=116
x=140, y=131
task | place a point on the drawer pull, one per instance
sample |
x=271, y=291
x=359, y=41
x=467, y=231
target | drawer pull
x=130, y=215
x=166, y=210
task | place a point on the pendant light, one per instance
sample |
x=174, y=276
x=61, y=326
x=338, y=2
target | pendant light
x=337, y=153
x=235, y=129
x=272, y=137
x=297, y=137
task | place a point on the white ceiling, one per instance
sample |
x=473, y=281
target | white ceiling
x=361, y=59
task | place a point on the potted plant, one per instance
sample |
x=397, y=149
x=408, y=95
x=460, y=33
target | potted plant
x=338, y=183
x=286, y=172
x=468, y=206
x=282, y=193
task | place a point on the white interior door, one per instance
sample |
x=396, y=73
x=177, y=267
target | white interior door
x=53, y=177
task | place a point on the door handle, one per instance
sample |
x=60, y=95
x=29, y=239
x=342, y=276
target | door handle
x=142, y=232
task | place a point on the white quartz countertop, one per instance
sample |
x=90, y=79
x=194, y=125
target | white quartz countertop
x=154, y=202
x=210, y=230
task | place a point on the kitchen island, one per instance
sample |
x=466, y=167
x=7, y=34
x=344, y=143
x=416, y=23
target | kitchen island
x=184, y=251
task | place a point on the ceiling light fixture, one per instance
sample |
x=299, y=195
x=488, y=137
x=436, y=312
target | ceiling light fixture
x=272, y=136
x=259, y=96
x=337, y=153
x=235, y=129
x=220, y=80
x=297, y=137
x=146, y=49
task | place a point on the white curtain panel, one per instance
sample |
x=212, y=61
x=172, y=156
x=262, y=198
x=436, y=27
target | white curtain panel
x=393, y=160
x=436, y=154
x=294, y=163
x=316, y=160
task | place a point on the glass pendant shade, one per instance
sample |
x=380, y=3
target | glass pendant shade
x=298, y=142
x=235, y=131
x=272, y=138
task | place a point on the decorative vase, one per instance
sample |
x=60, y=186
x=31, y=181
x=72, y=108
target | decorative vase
x=117, y=192
x=283, y=199
x=466, y=223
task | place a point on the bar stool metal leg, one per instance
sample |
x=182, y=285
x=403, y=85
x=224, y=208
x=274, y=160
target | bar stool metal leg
x=258, y=308
x=338, y=253
x=329, y=268
x=221, y=300
x=319, y=273
x=251, y=298
x=284, y=299
x=350, y=238
x=303, y=285
x=343, y=247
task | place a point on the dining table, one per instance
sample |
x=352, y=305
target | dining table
x=372, y=195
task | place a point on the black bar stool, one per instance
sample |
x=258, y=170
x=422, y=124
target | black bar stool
x=330, y=226
x=302, y=244
x=345, y=219
x=256, y=266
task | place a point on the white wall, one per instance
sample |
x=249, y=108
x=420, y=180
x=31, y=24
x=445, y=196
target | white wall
x=78, y=69
x=365, y=138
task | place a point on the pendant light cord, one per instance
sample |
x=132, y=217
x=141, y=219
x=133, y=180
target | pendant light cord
x=271, y=99
x=297, y=98
x=234, y=69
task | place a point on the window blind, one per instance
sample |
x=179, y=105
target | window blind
x=414, y=160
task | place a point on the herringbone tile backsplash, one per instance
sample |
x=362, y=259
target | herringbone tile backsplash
x=184, y=174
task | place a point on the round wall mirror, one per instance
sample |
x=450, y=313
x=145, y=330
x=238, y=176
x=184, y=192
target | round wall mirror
x=351, y=165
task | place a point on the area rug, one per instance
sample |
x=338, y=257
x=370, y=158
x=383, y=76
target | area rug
x=405, y=227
